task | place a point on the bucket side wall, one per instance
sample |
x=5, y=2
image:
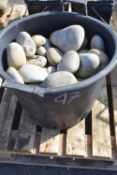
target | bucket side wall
x=60, y=110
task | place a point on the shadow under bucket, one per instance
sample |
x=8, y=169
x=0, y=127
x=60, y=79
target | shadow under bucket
x=65, y=106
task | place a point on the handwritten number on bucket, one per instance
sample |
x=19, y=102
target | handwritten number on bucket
x=67, y=98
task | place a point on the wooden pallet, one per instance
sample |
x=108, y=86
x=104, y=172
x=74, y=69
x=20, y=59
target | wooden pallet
x=92, y=140
x=16, y=11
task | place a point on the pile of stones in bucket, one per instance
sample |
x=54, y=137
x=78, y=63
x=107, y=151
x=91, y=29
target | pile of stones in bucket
x=61, y=60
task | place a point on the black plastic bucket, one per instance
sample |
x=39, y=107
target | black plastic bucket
x=36, y=6
x=99, y=9
x=65, y=106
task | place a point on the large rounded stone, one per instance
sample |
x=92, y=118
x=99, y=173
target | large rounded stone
x=58, y=79
x=25, y=40
x=41, y=51
x=15, y=75
x=69, y=38
x=89, y=64
x=33, y=73
x=54, y=56
x=39, y=40
x=15, y=55
x=104, y=59
x=38, y=60
x=97, y=42
x=70, y=62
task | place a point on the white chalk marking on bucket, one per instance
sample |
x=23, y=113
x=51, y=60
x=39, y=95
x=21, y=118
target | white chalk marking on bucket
x=67, y=98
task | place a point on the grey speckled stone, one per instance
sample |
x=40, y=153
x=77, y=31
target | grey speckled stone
x=104, y=59
x=59, y=79
x=70, y=62
x=25, y=40
x=89, y=64
x=97, y=42
x=69, y=38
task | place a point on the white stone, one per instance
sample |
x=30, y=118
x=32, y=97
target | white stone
x=59, y=79
x=26, y=41
x=39, y=40
x=15, y=75
x=69, y=38
x=89, y=64
x=15, y=55
x=104, y=59
x=97, y=42
x=38, y=60
x=33, y=73
x=54, y=56
x=41, y=51
x=70, y=62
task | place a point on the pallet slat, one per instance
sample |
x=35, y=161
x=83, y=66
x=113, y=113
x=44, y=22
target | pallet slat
x=3, y=18
x=8, y=119
x=25, y=140
x=4, y=106
x=26, y=134
x=50, y=140
x=114, y=93
x=101, y=136
x=75, y=142
x=18, y=11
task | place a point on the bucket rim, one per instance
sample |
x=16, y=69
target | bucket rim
x=77, y=86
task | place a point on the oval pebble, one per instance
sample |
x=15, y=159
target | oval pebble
x=38, y=60
x=54, y=56
x=39, y=40
x=25, y=40
x=69, y=38
x=15, y=75
x=15, y=55
x=59, y=79
x=89, y=64
x=97, y=42
x=33, y=73
x=41, y=51
x=104, y=59
x=70, y=62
